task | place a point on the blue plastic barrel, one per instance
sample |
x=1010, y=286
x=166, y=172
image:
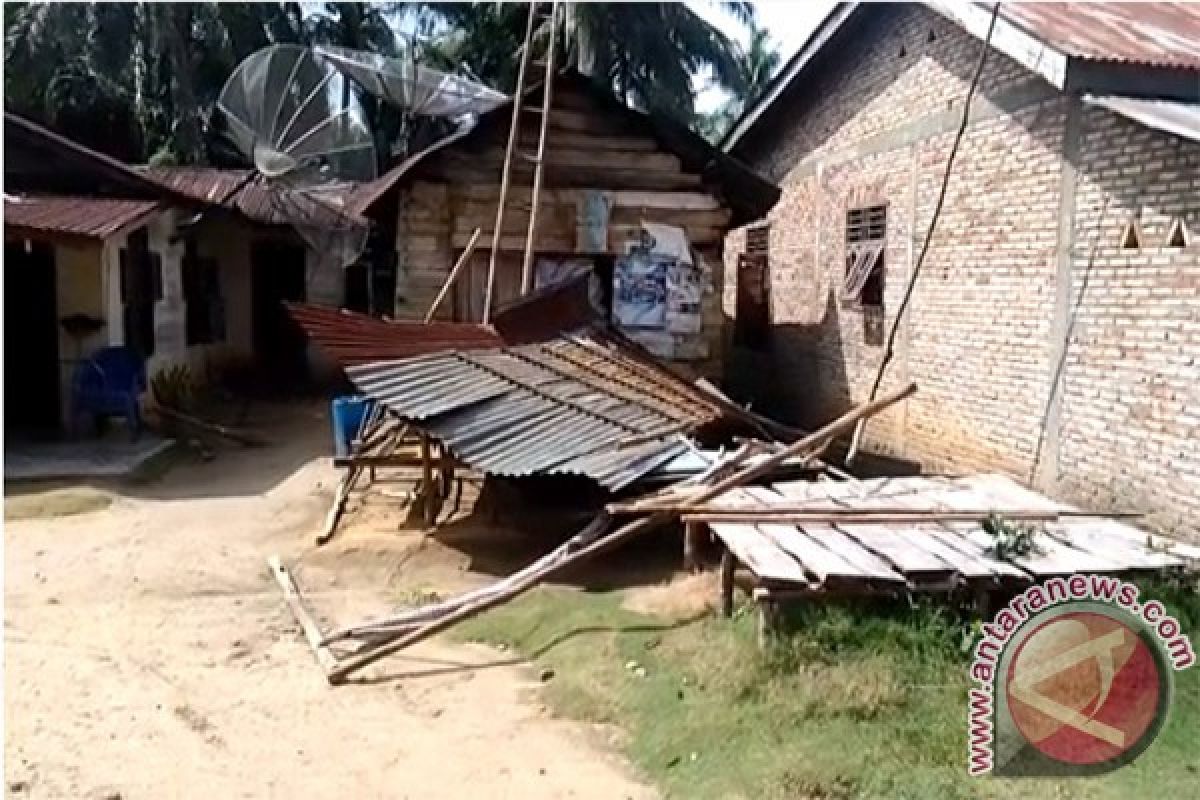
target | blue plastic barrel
x=348, y=413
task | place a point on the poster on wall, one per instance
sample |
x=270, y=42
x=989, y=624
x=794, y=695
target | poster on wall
x=640, y=290
x=685, y=294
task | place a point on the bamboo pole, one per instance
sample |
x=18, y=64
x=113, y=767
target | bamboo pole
x=467, y=252
x=513, y=133
x=539, y=164
x=578, y=549
x=295, y=602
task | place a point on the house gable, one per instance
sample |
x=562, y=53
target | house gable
x=1045, y=343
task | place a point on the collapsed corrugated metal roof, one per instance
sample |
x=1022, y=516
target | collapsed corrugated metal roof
x=66, y=215
x=583, y=403
x=253, y=198
x=350, y=338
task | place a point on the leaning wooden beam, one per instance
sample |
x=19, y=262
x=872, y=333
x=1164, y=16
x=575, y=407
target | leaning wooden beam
x=591, y=541
x=340, y=499
x=325, y=657
x=467, y=252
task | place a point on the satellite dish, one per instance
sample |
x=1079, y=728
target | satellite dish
x=294, y=113
x=300, y=123
x=297, y=118
x=412, y=87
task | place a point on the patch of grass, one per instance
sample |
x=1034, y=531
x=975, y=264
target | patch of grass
x=55, y=503
x=862, y=701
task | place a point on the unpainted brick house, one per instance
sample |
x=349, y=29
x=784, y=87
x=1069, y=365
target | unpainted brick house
x=1054, y=332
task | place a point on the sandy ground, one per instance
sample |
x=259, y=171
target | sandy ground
x=149, y=655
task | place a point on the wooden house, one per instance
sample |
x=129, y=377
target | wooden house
x=608, y=170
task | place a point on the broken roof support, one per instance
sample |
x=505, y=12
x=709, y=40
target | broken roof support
x=390, y=636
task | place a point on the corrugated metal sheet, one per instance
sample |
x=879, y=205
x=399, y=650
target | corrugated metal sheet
x=1181, y=119
x=258, y=202
x=581, y=404
x=1156, y=34
x=349, y=338
x=91, y=217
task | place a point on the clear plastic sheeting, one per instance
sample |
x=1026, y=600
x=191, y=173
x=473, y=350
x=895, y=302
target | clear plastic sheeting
x=410, y=86
x=297, y=118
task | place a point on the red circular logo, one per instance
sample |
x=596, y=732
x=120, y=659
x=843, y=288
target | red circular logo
x=1085, y=688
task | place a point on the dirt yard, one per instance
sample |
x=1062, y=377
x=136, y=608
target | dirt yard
x=150, y=655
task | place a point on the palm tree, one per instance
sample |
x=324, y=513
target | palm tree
x=647, y=52
x=757, y=64
x=132, y=79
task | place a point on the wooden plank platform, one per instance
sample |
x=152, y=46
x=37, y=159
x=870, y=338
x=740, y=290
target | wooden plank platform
x=815, y=557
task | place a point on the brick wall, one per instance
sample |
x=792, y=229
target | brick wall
x=1000, y=291
x=1130, y=433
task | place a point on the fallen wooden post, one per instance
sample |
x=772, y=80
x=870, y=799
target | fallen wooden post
x=325, y=657
x=593, y=540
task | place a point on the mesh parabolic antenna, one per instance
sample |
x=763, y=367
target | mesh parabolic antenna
x=297, y=118
x=410, y=86
x=295, y=114
x=300, y=123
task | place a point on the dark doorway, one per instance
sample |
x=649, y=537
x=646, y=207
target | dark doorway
x=279, y=344
x=31, y=369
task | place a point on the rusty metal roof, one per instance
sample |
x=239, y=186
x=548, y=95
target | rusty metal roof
x=583, y=403
x=88, y=217
x=257, y=201
x=1155, y=34
x=34, y=151
x=349, y=338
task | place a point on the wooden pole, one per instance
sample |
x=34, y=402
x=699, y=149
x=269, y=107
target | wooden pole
x=312, y=633
x=540, y=163
x=728, y=564
x=591, y=541
x=467, y=252
x=339, y=505
x=513, y=134
x=428, y=508
x=693, y=536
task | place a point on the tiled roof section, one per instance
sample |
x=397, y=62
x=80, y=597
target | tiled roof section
x=581, y=404
x=1155, y=34
x=350, y=339
x=89, y=217
x=255, y=200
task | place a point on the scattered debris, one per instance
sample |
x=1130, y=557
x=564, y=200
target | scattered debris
x=376, y=640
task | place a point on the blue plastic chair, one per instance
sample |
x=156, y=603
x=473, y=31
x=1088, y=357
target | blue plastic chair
x=108, y=385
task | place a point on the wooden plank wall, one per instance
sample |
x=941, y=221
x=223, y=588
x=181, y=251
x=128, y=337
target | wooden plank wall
x=588, y=149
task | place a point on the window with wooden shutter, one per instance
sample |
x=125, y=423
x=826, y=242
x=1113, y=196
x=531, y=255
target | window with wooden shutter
x=866, y=252
x=753, y=324
x=866, y=243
